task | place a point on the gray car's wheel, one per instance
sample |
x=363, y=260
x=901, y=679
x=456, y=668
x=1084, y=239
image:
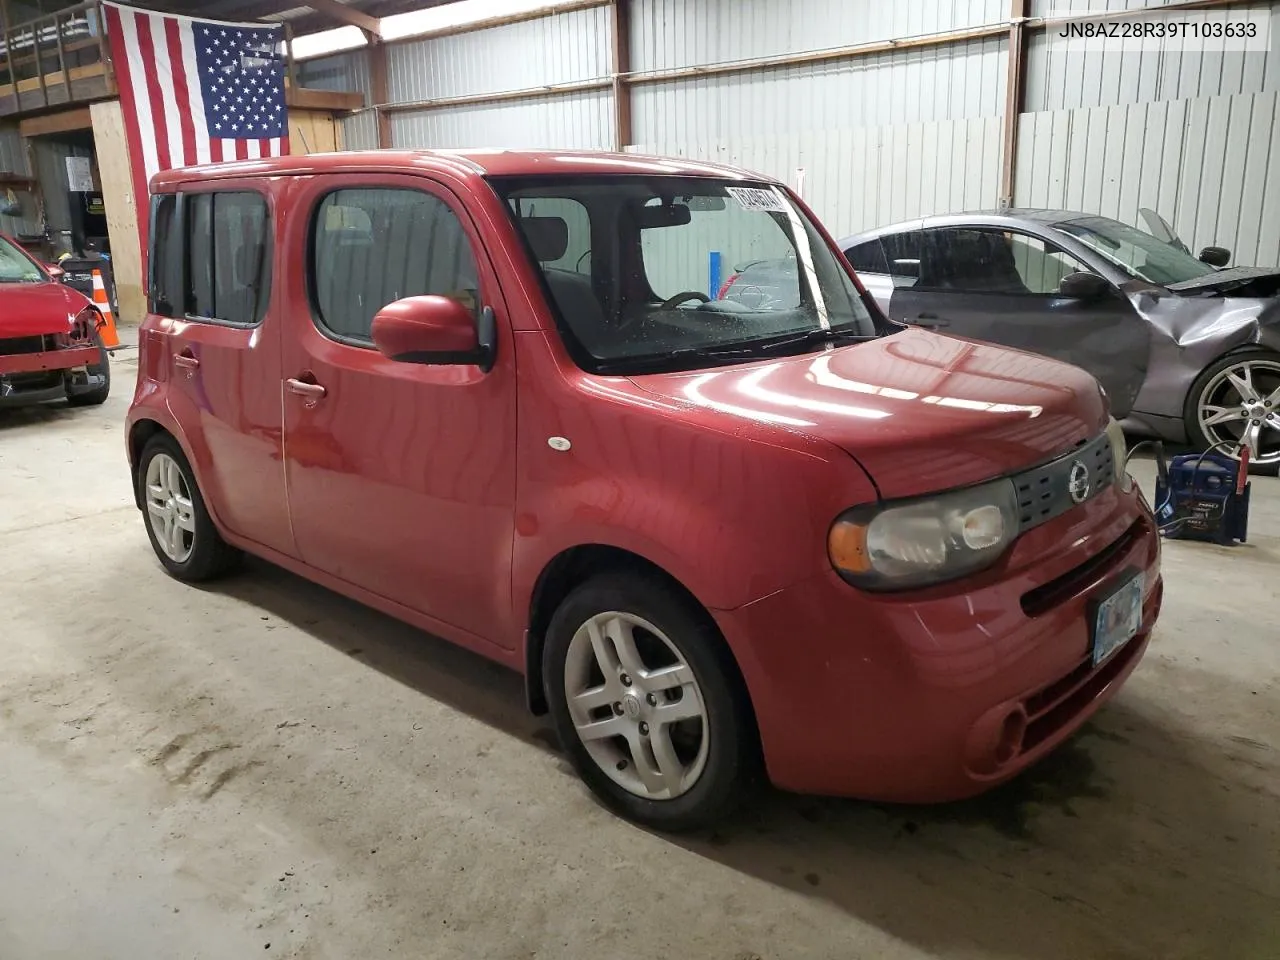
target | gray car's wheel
x=181, y=531
x=648, y=703
x=1236, y=401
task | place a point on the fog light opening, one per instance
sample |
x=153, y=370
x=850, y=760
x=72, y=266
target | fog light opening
x=1012, y=730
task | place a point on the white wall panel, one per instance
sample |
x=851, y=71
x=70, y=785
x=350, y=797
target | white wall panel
x=360, y=131
x=558, y=49
x=1058, y=79
x=1205, y=165
x=668, y=34
x=578, y=121
x=967, y=80
x=343, y=72
x=856, y=179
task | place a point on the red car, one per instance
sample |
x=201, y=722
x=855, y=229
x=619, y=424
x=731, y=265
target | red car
x=50, y=347
x=494, y=394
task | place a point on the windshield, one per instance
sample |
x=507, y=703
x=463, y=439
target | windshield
x=1137, y=253
x=650, y=272
x=16, y=266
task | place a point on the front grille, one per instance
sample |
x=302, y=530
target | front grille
x=1082, y=577
x=11, y=346
x=1044, y=492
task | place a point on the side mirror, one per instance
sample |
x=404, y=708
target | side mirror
x=1083, y=286
x=55, y=272
x=1215, y=256
x=435, y=331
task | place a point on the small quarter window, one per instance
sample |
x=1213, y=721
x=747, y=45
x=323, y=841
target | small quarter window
x=165, y=295
x=374, y=246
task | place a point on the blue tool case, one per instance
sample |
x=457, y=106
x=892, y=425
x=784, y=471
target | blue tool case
x=1200, y=500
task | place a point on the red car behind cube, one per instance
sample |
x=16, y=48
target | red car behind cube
x=498, y=395
x=50, y=347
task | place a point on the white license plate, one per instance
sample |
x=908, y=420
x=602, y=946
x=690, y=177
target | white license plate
x=1117, y=618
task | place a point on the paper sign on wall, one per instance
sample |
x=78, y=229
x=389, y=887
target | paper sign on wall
x=755, y=198
x=79, y=174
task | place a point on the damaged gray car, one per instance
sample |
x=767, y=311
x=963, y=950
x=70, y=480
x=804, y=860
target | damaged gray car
x=1186, y=349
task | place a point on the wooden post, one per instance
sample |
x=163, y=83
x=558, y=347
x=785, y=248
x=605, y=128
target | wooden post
x=621, y=37
x=104, y=48
x=381, y=89
x=62, y=55
x=291, y=66
x=1015, y=98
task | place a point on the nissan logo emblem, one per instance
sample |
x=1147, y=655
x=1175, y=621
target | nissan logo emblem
x=1078, y=482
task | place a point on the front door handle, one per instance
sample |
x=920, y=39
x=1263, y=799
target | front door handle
x=311, y=392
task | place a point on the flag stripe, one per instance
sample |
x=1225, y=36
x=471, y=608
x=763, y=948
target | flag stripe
x=151, y=90
x=181, y=88
x=169, y=85
x=132, y=130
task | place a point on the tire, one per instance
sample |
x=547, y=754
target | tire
x=1212, y=390
x=717, y=753
x=203, y=554
x=97, y=395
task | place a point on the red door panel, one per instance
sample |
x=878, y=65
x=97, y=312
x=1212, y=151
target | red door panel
x=401, y=477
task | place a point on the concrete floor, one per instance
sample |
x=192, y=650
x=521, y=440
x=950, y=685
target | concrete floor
x=267, y=769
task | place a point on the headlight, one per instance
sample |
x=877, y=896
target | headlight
x=931, y=540
x=1120, y=454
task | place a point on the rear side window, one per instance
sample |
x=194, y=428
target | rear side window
x=165, y=294
x=228, y=257
x=868, y=257
x=373, y=246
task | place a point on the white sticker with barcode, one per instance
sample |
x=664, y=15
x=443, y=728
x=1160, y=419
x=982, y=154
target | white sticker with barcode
x=755, y=198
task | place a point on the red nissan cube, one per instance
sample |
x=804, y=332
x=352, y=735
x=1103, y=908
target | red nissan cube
x=726, y=531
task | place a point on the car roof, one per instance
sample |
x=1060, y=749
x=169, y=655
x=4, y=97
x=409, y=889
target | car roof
x=1009, y=217
x=476, y=162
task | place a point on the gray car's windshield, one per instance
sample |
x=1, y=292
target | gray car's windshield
x=1136, y=252
x=16, y=266
x=639, y=269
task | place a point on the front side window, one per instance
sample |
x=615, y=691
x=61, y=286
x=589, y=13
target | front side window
x=629, y=264
x=991, y=261
x=372, y=246
x=228, y=276
x=1136, y=252
x=1041, y=266
x=17, y=267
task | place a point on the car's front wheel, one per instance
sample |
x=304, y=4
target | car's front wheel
x=181, y=531
x=648, y=703
x=1236, y=402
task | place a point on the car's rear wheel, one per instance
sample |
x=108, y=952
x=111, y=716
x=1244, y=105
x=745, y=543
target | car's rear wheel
x=179, y=526
x=1236, y=401
x=648, y=703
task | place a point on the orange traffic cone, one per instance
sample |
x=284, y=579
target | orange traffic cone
x=110, y=338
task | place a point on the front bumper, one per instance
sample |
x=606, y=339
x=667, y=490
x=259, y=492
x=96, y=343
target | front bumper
x=908, y=697
x=27, y=378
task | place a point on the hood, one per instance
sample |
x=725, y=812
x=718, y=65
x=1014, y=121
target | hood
x=34, y=309
x=1232, y=280
x=920, y=412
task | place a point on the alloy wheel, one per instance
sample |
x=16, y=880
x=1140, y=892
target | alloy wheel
x=169, y=508
x=636, y=706
x=1241, y=406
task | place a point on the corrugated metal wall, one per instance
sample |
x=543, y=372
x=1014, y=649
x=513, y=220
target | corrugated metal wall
x=881, y=137
x=13, y=159
x=1059, y=79
x=667, y=34
x=1208, y=166
x=562, y=49
x=344, y=71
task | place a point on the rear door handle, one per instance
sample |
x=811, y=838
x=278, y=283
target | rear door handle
x=311, y=391
x=186, y=361
x=930, y=320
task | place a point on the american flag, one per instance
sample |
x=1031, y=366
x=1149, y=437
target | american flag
x=196, y=91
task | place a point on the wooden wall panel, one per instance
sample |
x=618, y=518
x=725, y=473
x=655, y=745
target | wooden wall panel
x=313, y=131
x=122, y=208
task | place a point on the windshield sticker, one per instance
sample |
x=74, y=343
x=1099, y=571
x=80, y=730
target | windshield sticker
x=755, y=198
